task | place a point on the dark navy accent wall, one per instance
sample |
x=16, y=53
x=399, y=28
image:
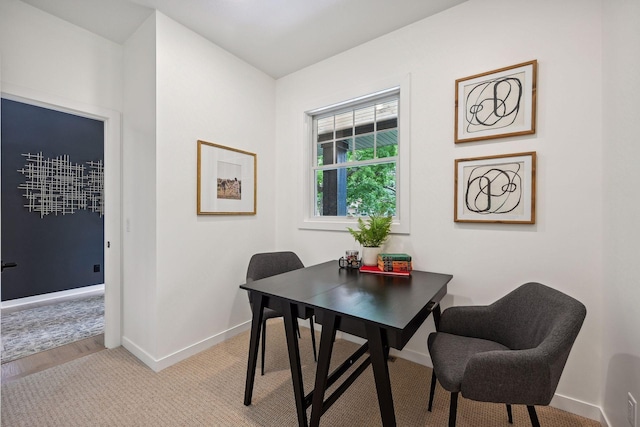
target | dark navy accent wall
x=56, y=252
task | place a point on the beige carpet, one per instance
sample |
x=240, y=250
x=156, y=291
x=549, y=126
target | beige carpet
x=112, y=388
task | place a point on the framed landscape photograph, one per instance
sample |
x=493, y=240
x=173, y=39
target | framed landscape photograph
x=496, y=189
x=226, y=180
x=496, y=104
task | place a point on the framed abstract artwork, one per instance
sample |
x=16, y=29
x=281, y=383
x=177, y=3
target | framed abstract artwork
x=226, y=180
x=496, y=104
x=496, y=189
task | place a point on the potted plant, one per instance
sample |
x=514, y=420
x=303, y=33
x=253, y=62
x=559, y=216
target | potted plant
x=371, y=234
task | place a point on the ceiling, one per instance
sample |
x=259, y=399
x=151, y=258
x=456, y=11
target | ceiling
x=275, y=36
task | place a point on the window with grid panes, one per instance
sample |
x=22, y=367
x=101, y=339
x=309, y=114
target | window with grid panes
x=355, y=160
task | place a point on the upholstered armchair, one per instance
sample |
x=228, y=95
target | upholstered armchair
x=512, y=351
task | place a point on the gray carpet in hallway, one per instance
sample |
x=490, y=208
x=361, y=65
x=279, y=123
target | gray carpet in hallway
x=33, y=330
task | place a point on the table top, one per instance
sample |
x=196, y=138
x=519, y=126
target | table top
x=389, y=301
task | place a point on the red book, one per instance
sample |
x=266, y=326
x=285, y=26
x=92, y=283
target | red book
x=374, y=269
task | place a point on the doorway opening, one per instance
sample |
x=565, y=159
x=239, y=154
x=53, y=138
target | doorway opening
x=110, y=238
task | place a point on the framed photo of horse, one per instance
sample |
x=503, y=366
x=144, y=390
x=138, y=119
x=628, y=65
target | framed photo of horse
x=226, y=180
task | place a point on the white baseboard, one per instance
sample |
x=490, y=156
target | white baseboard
x=413, y=356
x=139, y=353
x=50, y=298
x=159, y=364
x=579, y=407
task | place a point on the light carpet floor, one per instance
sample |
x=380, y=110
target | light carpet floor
x=113, y=388
x=33, y=330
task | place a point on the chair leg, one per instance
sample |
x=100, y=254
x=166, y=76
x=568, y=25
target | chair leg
x=433, y=389
x=298, y=329
x=453, y=408
x=509, y=414
x=533, y=416
x=313, y=338
x=264, y=339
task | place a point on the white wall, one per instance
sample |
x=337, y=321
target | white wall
x=621, y=297
x=139, y=302
x=181, y=271
x=196, y=263
x=49, y=55
x=563, y=249
x=205, y=93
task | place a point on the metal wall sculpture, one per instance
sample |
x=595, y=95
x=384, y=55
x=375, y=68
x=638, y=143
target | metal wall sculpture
x=57, y=186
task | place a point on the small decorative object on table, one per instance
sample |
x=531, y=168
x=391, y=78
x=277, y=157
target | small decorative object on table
x=350, y=260
x=395, y=262
x=392, y=264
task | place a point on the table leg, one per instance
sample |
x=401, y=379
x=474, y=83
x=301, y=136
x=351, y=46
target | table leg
x=290, y=313
x=379, y=349
x=329, y=326
x=259, y=302
x=436, y=316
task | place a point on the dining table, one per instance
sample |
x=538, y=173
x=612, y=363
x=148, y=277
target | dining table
x=383, y=309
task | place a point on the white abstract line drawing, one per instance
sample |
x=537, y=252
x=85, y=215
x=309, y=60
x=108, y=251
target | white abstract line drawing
x=54, y=186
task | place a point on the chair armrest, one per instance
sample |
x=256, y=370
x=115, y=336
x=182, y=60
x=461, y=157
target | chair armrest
x=468, y=321
x=509, y=376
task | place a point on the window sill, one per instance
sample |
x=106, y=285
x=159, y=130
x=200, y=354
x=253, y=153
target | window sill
x=341, y=224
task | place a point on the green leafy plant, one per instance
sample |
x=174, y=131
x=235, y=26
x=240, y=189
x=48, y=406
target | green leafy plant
x=373, y=232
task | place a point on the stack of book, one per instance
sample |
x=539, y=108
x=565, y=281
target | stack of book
x=396, y=263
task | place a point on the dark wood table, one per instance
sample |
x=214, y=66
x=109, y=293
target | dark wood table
x=384, y=310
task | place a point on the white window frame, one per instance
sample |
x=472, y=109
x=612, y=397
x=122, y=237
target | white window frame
x=401, y=222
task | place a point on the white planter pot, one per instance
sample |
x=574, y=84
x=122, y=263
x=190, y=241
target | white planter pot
x=370, y=255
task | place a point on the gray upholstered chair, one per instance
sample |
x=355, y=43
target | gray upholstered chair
x=269, y=264
x=512, y=351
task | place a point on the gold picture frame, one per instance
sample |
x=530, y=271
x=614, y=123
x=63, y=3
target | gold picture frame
x=226, y=180
x=496, y=189
x=496, y=104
